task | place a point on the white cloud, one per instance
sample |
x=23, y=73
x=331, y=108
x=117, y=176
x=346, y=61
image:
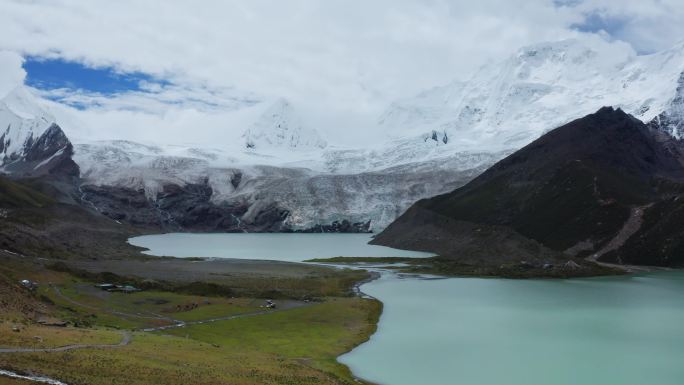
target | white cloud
x=649, y=25
x=11, y=72
x=340, y=62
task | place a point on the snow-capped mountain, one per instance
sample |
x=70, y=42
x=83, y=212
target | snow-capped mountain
x=31, y=142
x=509, y=104
x=24, y=122
x=282, y=176
x=279, y=127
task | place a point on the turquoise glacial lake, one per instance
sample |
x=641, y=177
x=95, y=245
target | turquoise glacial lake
x=467, y=331
x=269, y=246
x=600, y=331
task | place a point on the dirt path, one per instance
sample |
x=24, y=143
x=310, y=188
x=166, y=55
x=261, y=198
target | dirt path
x=181, y=324
x=125, y=340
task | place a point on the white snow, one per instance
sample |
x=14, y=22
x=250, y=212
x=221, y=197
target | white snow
x=21, y=120
x=279, y=127
x=509, y=104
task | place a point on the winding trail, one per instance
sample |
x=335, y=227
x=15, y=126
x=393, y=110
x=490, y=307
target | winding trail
x=125, y=340
x=126, y=336
x=181, y=324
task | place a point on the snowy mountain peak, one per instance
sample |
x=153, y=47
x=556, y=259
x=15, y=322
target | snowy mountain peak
x=31, y=143
x=510, y=103
x=22, y=122
x=280, y=127
x=26, y=105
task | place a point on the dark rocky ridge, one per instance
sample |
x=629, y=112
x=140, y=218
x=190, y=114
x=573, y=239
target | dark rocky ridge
x=569, y=193
x=189, y=208
x=47, y=162
x=48, y=155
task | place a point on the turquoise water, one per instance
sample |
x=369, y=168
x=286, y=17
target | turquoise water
x=468, y=331
x=271, y=246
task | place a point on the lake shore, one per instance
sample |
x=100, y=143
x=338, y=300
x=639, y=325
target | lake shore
x=452, y=268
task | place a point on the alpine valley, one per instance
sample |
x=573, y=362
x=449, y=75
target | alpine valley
x=280, y=175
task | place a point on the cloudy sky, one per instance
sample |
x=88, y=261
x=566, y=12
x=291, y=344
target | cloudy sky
x=145, y=69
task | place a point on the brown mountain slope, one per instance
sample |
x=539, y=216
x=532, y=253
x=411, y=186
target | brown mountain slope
x=569, y=193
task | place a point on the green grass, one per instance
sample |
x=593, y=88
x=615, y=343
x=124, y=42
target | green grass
x=37, y=336
x=134, y=311
x=217, y=310
x=296, y=346
x=13, y=194
x=289, y=346
x=318, y=333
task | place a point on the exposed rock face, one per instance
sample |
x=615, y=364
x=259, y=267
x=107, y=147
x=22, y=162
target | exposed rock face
x=189, y=208
x=575, y=186
x=671, y=120
x=48, y=154
x=31, y=143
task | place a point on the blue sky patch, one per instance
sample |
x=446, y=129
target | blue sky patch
x=50, y=74
x=595, y=22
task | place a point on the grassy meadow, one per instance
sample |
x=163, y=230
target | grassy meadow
x=296, y=343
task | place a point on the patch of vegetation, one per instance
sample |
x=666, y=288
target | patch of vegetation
x=326, y=283
x=451, y=267
x=37, y=336
x=314, y=335
x=16, y=195
x=364, y=260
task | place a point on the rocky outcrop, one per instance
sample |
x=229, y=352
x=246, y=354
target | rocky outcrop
x=343, y=226
x=189, y=208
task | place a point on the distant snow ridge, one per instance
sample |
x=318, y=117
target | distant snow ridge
x=280, y=127
x=509, y=104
